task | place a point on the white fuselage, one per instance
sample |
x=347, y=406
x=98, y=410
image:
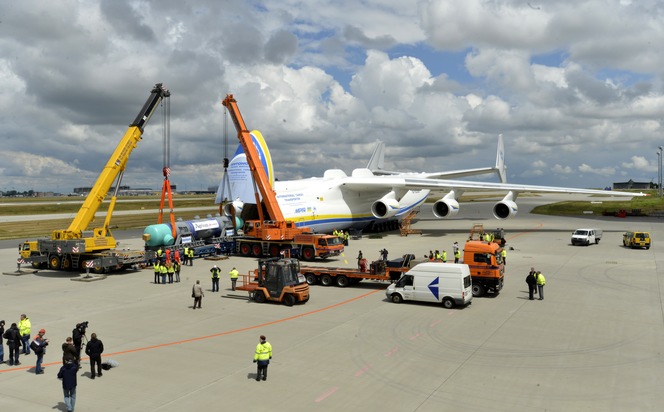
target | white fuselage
x=323, y=204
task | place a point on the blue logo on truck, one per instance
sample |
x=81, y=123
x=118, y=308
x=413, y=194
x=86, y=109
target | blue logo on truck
x=433, y=287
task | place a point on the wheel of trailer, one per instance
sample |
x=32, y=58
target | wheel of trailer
x=396, y=298
x=54, y=262
x=274, y=250
x=308, y=254
x=478, y=290
x=596, y=241
x=342, y=281
x=448, y=303
x=259, y=296
x=256, y=250
x=289, y=300
x=326, y=280
x=311, y=278
x=245, y=249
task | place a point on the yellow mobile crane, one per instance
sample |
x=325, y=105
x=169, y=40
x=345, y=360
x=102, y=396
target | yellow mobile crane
x=76, y=247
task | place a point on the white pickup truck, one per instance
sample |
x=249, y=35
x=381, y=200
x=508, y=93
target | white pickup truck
x=586, y=236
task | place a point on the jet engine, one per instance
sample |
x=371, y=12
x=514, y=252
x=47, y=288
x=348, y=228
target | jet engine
x=385, y=207
x=235, y=206
x=506, y=208
x=446, y=207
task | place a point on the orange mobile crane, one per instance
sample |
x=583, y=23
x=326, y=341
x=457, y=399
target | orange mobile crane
x=271, y=233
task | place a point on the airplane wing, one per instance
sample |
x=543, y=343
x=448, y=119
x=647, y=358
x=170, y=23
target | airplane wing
x=368, y=183
x=377, y=160
x=391, y=187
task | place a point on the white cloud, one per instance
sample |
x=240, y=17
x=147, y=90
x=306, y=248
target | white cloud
x=566, y=83
x=604, y=171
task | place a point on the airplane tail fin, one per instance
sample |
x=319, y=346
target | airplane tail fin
x=377, y=157
x=240, y=181
x=501, y=169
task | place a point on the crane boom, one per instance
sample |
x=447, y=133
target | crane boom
x=114, y=168
x=255, y=166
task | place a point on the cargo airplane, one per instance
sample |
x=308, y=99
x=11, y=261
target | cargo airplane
x=372, y=196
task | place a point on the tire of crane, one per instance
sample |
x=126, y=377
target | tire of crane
x=66, y=262
x=308, y=254
x=245, y=249
x=54, y=262
x=256, y=250
x=274, y=250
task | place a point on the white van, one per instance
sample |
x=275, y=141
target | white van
x=438, y=282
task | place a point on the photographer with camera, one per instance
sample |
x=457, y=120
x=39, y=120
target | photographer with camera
x=77, y=335
x=38, y=346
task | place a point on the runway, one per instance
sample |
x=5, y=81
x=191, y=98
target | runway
x=594, y=343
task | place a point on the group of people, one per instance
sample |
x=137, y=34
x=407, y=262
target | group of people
x=169, y=269
x=17, y=337
x=345, y=236
x=197, y=290
x=536, y=282
x=19, y=341
x=437, y=256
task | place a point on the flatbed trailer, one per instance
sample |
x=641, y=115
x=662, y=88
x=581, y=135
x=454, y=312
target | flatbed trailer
x=342, y=277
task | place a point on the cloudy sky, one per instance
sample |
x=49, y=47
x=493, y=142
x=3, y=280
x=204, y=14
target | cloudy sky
x=574, y=86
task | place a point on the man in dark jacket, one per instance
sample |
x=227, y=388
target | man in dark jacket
x=532, y=283
x=77, y=335
x=69, y=352
x=68, y=375
x=13, y=337
x=94, y=349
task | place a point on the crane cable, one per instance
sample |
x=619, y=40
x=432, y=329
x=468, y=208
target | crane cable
x=166, y=188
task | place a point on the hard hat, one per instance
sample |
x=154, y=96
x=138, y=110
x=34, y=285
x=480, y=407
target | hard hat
x=42, y=331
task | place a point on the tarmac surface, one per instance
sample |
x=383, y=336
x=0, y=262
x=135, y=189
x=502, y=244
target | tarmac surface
x=594, y=343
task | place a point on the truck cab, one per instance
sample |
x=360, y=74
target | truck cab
x=586, y=236
x=486, y=266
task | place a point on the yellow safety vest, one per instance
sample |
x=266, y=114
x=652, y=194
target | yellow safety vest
x=263, y=351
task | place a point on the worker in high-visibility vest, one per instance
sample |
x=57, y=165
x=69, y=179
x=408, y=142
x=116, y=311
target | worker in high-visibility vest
x=163, y=271
x=157, y=271
x=191, y=256
x=262, y=358
x=185, y=255
x=234, y=275
x=541, y=281
x=457, y=255
x=170, y=266
x=504, y=255
x=444, y=256
x=215, y=278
